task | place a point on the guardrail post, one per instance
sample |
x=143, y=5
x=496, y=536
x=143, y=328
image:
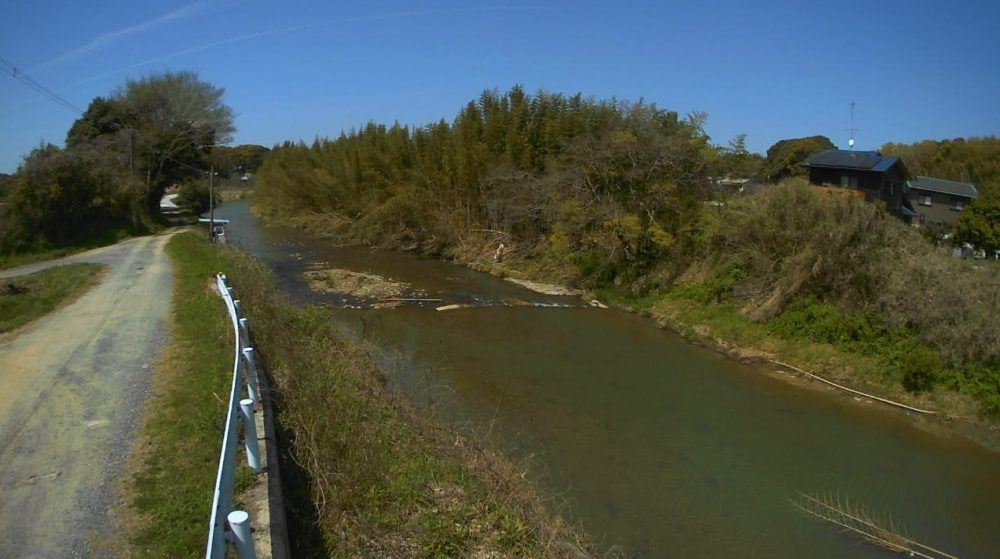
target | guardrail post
x=236, y=305
x=245, y=333
x=250, y=434
x=252, y=387
x=239, y=523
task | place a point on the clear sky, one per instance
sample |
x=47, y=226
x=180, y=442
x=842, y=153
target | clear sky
x=297, y=70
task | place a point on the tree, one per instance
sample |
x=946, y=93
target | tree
x=179, y=119
x=975, y=160
x=249, y=157
x=784, y=157
x=734, y=160
x=979, y=222
x=61, y=196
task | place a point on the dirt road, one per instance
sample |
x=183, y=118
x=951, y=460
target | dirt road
x=72, y=387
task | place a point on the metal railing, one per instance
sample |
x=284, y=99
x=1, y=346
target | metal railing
x=226, y=524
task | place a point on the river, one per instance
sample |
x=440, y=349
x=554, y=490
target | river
x=659, y=446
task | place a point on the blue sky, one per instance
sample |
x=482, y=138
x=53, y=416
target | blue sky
x=297, y=70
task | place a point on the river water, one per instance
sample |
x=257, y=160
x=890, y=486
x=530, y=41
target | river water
x=658, y=446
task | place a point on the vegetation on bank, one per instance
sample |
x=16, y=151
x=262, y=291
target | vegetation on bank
x=618, y=197
x=31, y=296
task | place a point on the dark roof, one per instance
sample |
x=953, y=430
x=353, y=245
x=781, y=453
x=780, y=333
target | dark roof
x=859, y=160
x=953, y=188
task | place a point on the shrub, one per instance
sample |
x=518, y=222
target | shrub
x=920, y=368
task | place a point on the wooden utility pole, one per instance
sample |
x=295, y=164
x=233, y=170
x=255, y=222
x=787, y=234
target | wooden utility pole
x=211, y=203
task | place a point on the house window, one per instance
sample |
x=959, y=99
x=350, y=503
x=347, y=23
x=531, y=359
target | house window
x=957, y=205
x=847, y=181
x=925, y=200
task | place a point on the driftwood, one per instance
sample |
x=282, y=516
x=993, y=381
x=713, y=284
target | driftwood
x=853, y=391
x=860, y=523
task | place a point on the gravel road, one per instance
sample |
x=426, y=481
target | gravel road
x=73, y=387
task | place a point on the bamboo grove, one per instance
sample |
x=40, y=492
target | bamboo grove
x=603, y=181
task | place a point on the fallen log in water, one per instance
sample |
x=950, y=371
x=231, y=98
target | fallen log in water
x=860, y=523
x=853, y=391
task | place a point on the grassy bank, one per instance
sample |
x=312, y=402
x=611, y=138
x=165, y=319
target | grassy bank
x=31, y=296
x=370, y=476
x=175, y=458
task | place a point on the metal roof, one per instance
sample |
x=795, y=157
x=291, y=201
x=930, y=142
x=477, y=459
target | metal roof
x=844, y=159
x=953, y=188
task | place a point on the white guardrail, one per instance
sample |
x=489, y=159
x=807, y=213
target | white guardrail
x=226, y=524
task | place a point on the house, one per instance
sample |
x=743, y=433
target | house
x=939, y=201
x=868, y=174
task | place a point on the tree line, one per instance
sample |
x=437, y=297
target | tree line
x=120, y=157
x=609, y=183
x=973, y=160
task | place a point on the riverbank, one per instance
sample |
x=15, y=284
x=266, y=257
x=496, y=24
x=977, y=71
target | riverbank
x=377, y=477
x=723, y=328
x=701, y=312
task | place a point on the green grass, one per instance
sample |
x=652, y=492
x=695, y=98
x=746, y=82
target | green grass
x=28, y=297
x=172, y=484
x=839, y=344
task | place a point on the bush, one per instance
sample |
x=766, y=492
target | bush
x=920, y=369
x=195, y=195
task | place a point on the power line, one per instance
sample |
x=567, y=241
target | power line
x=11, y=69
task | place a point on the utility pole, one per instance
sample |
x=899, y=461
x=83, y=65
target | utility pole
x=852, y=129
x=211, y=203
x=131, y=178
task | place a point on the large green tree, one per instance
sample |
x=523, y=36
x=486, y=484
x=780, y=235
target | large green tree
x=165, y=124
x=979, y=222
x=784, y=157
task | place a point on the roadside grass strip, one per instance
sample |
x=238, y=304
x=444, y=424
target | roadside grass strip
x=175, y=458
x=31, y=296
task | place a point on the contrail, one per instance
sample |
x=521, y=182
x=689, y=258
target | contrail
x=105, y=40
x=267, y=33
x=289, y=29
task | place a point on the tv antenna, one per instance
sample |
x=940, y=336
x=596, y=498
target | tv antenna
x=852, y=129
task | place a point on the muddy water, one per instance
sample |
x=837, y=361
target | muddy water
x=661, y=447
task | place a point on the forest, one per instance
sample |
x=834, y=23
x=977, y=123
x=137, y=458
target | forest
x=622, y=198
